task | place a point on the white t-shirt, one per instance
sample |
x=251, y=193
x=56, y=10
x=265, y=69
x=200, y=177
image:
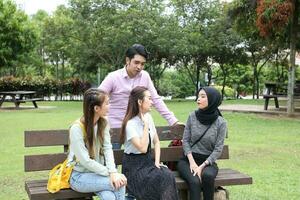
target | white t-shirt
x=135, y=128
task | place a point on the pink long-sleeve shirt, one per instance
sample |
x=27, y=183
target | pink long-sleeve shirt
x=119, y=85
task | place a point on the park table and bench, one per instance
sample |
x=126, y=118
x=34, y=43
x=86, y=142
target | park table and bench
x=18, y=97
x=276, y=90
x=37, y=189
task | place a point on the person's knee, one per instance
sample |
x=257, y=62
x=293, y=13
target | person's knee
x=129, y=197
x=179, y=165
x=208, y=177
x=182, y=166
x=122, y=190
x=116, y=145
x=106, y=195
x=194, y=182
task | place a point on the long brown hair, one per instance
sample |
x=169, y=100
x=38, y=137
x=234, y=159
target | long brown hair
x=93, y=97
x=138, y=93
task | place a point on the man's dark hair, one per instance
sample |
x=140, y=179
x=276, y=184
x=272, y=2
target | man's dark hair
x=137, y=49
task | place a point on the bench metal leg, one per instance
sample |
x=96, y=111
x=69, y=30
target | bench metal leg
x=276, y=102
x=266, y=103
x=2, y=100
x=34, y=103
x=17, y=104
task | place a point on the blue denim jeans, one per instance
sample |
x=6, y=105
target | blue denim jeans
x=100, y=185
x=118, y=146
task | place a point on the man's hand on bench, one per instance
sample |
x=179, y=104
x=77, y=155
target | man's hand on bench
x=178, y=124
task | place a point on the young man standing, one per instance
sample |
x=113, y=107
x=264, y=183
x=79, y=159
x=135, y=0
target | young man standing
x=118, y=84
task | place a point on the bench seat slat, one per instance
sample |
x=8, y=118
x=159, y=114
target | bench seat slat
x=225, y=177
x=38, y=190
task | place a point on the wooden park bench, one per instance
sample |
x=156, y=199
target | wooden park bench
x=37, y=189
x=274, y=91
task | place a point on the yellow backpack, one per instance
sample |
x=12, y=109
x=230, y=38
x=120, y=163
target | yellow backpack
x=59, y=176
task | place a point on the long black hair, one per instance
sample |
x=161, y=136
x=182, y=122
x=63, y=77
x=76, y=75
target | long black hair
x=138, y=93
x=93, y=97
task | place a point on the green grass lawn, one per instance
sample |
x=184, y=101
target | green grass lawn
x=265, y=147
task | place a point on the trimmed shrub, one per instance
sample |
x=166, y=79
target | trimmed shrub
x=44, y=86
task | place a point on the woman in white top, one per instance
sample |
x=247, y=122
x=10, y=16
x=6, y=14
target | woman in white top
x=147, y=179
x=90, y=146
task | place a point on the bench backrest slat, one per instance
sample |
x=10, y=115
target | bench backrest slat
x=43, y=161
x=171, y=154
x=46, y=138
x=60, y=138
x=48, y=161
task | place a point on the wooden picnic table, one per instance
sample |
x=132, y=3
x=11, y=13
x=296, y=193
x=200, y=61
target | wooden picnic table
x=276, y=90
x=18, y=97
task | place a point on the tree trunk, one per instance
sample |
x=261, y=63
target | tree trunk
x=209, y=74
x=57, y=78
x=197, y=79
x=291, y=73
x=257, y=86
x=56, y=68
x=224, y=80
x=254, y=81
x=223, y=85
x=63, y=68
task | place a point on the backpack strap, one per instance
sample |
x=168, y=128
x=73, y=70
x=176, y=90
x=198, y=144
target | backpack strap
x=201, y=136
x=84, y=135
x=81, y=126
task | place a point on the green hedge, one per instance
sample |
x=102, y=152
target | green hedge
x=44, y=86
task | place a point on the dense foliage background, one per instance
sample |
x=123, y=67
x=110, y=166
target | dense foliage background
x=192, y=43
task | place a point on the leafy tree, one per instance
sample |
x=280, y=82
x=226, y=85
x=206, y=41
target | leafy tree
x=260, y=51
x=194, y=18
x=277, y=69
x=57, y=40
x=104, y=29
x=226, y=48
x=273, y=19
x=240, y=79
x=16, y=36
x=175, y=84
x=38, y=56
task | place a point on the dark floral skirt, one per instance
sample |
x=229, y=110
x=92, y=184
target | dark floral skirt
x=147, y=182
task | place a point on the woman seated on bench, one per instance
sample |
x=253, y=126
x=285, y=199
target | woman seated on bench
x=95, y=169
x=203, y=141
x=147, y=179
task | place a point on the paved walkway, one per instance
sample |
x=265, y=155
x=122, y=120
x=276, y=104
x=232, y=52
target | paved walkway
x=257, y=109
